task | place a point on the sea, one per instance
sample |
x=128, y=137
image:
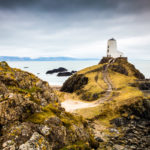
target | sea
x=39, y=68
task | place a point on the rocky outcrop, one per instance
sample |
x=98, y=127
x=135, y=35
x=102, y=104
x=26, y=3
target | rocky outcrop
x=142, y=84
x=61, y=69
x=107, y=59
x=122, y=66
x=76, y=82
x=134, y=128
x=119, y=69
x=61, y=74
x=31, y=116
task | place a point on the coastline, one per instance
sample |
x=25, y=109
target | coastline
x=56, y=87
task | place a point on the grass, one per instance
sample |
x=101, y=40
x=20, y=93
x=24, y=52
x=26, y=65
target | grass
x=40, y=117
x=119, y=80
x=63, y=96
x=52, y=111
x=91, y=91
x=77, y=146
x=84, y=71
x=93, y=88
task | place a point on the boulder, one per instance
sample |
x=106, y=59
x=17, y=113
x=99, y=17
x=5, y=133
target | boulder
x=61, y=74
x=37, y=141
x=61, y=69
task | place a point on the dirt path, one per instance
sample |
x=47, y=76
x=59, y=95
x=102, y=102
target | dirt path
x=72, y=105
x=107, y=81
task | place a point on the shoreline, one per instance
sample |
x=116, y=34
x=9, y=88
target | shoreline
x=56, y=87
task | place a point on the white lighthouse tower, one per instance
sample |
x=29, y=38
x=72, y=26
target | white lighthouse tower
x=112, y=49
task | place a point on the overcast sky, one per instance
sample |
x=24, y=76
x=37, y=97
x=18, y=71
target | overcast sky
x=74, y=28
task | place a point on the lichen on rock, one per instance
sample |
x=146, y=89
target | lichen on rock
x=31, y=116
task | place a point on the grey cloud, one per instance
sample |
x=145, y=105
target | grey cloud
x=73, y=27
x=78, y=5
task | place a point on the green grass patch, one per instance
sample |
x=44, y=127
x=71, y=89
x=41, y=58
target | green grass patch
x=77, y=146
x=40, y=117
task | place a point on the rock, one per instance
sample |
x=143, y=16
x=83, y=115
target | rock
x=119, y=121
x=31, y=116
x=39, y=84
x=135, y=130
x=74, y=83
x=122, y=66
x=118, y=147
x=37, y=141
x=45, y=130
x=99, y=139
x=61, y=69
x=9, y=145
x=73, y=71
x=142, y=84
x=53, y=120
x=114, y=130
x=61, y=74
x=119, y=69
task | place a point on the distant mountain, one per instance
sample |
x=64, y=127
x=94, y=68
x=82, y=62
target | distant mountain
x=15, y=58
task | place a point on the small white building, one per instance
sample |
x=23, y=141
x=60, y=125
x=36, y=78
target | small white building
x=112, y=49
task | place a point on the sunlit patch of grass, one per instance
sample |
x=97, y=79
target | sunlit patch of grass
x=91, y=91
x=40, y=117
x=93, y=87
x=119, y=80
x=62, y=96
x=101, y=82
x=88, y=113
x=100, y=85
x=77, y=146
x=84, y=71
x=128, y=92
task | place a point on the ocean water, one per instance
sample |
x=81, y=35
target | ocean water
x=39, y=68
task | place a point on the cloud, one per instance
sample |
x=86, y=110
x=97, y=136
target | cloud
x=77, y=28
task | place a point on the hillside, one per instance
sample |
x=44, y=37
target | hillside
x=115, y=92
x=92, y=83
x=31, y=116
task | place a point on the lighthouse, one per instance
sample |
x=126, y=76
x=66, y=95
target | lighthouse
x=112, y=49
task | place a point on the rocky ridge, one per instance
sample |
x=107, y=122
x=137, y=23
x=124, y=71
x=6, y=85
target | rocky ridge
x=131, y=130
x=31, y=116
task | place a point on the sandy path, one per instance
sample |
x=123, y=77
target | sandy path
x=72, y=105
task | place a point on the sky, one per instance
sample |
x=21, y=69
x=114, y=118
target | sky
x=74, y=28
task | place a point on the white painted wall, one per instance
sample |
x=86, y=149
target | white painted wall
x=112, y=49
